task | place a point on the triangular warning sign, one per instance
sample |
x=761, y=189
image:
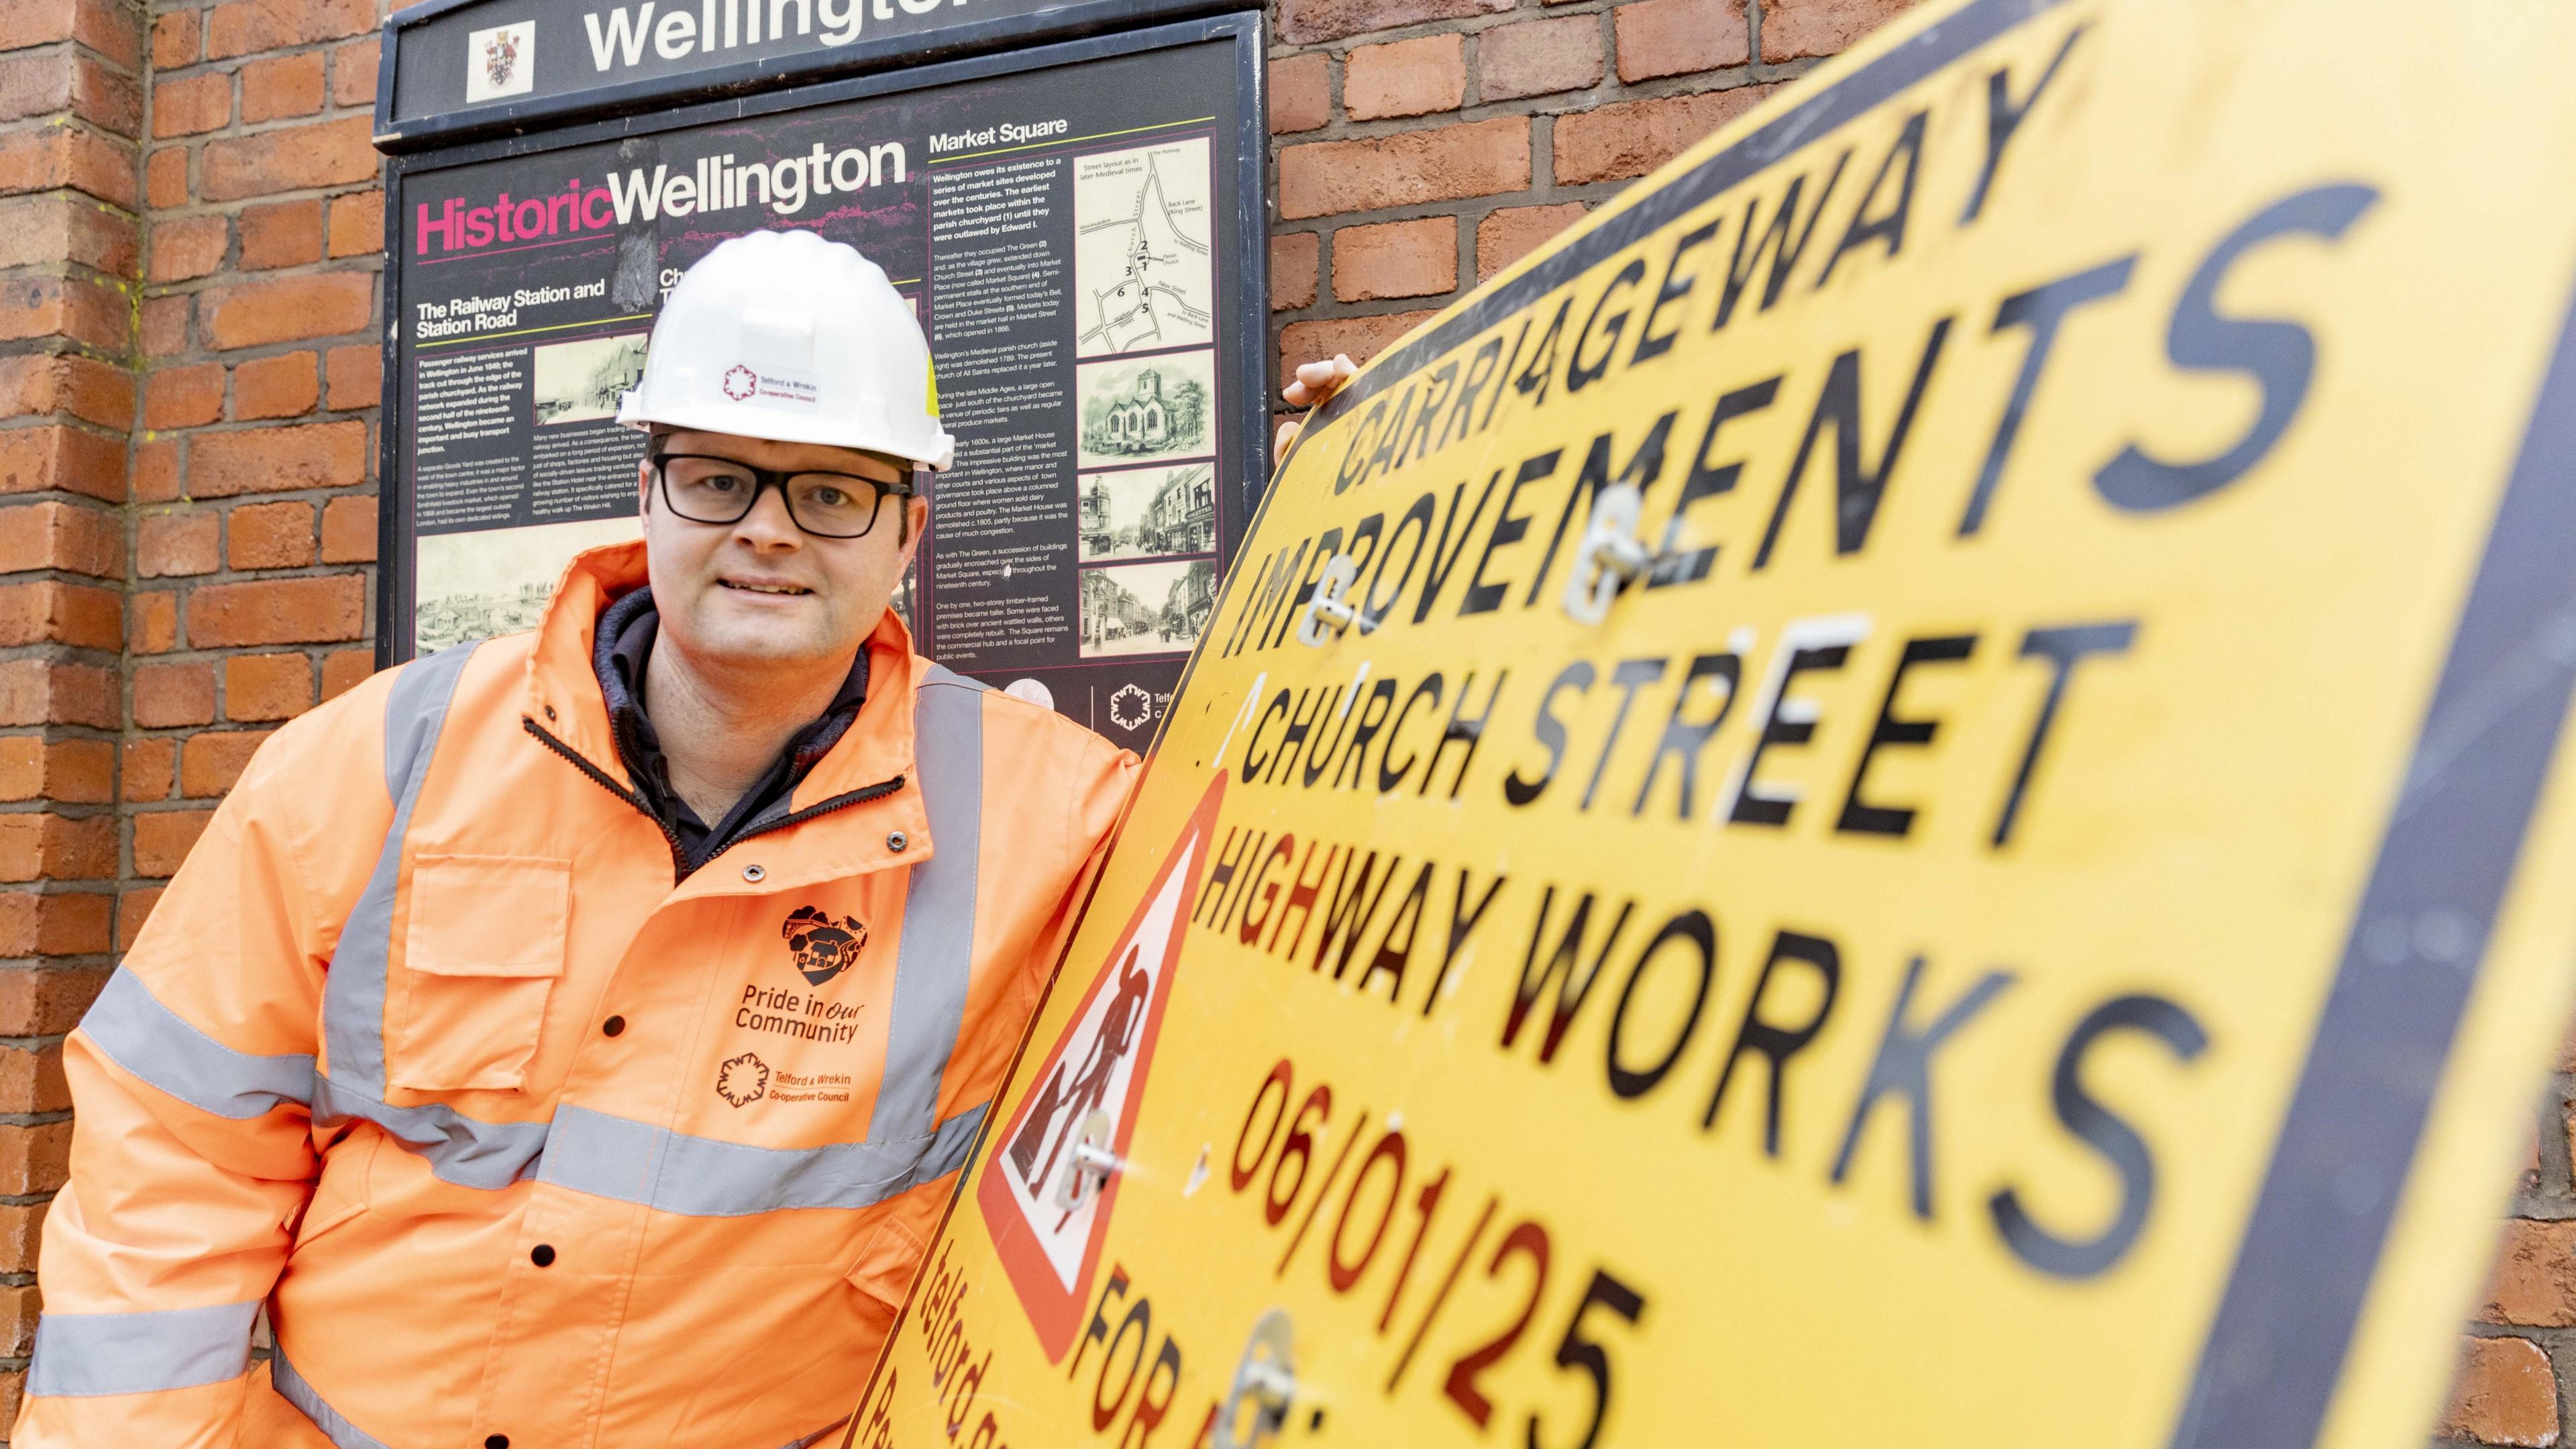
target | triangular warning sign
x=1046, y=1216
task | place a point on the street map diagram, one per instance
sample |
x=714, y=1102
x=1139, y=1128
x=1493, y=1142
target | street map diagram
x=1141, y=258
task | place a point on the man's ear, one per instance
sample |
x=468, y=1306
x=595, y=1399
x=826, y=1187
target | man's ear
x=916, y=517
x=643, y=488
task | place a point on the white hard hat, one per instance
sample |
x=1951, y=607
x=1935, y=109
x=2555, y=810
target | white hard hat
x=786, y=336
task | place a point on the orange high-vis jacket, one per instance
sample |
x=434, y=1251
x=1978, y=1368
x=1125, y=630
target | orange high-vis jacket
x=519, y=1142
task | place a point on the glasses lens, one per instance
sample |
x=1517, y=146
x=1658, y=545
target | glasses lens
x=835, y=505
x=708, y=490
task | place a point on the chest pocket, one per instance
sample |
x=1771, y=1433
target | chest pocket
x=481, y=955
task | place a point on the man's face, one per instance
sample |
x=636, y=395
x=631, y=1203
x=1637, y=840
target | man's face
x=762, y=590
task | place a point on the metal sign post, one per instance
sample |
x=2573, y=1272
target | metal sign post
x=1070, y=197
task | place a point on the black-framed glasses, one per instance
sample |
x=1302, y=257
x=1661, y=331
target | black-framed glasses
x=705, y=489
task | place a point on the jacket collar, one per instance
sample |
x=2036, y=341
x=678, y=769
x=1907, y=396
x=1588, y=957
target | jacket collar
x=564, y=697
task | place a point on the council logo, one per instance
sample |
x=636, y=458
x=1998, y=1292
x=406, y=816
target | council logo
x=740, y=382
x=499, y=62
x=743, y=1080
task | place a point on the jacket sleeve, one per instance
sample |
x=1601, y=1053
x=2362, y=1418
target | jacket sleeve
x=192, y=1150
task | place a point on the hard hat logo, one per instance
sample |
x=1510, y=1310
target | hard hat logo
x=818, y=347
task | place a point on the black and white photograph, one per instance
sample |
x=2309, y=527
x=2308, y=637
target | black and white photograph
x=1147, y=410
x=1146, y=608
x=580, y=382
x=1148, y=512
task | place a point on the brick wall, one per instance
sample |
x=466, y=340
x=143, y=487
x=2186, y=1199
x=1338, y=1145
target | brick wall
x=190, y=244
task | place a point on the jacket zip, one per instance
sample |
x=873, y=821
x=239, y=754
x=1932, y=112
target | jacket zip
x=680, y=868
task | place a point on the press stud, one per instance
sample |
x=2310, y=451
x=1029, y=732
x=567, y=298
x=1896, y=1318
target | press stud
x=754, y=874
x=895, y=841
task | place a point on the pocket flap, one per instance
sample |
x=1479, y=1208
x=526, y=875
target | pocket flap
x=488, y=915
x=885, y=1267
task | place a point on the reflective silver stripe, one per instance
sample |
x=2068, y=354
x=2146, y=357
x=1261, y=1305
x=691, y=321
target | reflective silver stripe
x=937, y=953
x=701, y=1177
x=131, y=1028
x=461, y=1149
x=353, y=1000
x=292, y=1388
x=83, y=1355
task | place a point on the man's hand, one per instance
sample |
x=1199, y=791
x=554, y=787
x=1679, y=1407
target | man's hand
x=1315, y=382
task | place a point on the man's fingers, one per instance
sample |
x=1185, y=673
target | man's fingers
x=1279, y=446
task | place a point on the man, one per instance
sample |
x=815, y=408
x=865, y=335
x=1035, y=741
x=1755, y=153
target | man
x=572, y=1039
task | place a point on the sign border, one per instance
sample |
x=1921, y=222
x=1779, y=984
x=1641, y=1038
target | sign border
x=1244, y=362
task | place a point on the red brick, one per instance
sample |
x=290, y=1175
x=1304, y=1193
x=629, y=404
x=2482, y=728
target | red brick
x=278, y=611
x=1439, y=164
x=165, y=325
x=1416, y=258
x=169, y=695
x=67, y=81
x=2504, y=1394
x=175, y=39
x=50, y=230
x=344, y=670
x=1304, y=22
x=211, y=762
x=1294, y=258
x=134, y=907
x=1795, y=29
x=1361, y=337
x=48, y=1002
x=22, y=767
x=74, y=772
x=278, y=460
x=1676, y=37
x=21, y=1229
x=290, y=158
x=151, y=765
x=73, y=307
x=19, y=1306
x=356, y=377
x=1406, y=78
x=271, y=536
x=68, y=155
x=1301, y=93
x=290, y=309
x=34, y=459
x=165, y=176
x=349, y=531
x=163, y=838
x=45, y=846
x=267, y=686
x=152, y=626
x=2534, y=1281
x=1615, y=143
x=69, y=536
x=156, y=472
x=36, y=384
x=183, y=397
x=33, y=1159
x=48, y=611
x=281, y=86
x=358, y=224
x=1538, y=57
x=353, y=73
x=110, y=29
x=174, y=545
x=285, y=235
x=285, y=386
x=187, y=246
x=1515, y=230
x=244, y=26
x=192, y=105
x=32, y=1081
x=40, y=691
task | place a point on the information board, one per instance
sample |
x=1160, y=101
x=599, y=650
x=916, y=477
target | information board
x=1913, y=789
x=1078, y=228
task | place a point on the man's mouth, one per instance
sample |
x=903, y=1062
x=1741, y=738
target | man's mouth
x=760, y=588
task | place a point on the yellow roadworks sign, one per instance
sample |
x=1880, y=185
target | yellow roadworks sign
x=1910, y=790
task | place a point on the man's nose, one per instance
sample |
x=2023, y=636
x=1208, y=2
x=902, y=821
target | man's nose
x=769, y=524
